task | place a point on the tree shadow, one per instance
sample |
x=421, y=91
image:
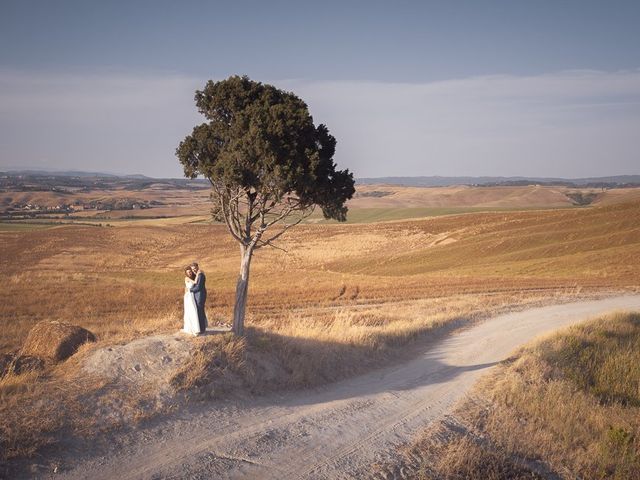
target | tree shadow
x=305, y=371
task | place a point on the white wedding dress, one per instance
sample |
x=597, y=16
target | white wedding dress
x=191, y=324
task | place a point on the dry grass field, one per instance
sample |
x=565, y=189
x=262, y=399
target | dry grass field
x=122, y=282
x=573, y=398
x=341, y=299
x=380, y=196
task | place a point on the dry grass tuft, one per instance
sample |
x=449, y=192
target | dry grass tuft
x=28, y=419
x=215, y=364
x=467, y=459
x=55, y=341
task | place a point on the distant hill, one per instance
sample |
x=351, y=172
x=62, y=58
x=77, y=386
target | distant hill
x=62, y=173
x=436, y=181
x=72, y=173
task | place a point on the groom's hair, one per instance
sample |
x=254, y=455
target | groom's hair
x=195, y=264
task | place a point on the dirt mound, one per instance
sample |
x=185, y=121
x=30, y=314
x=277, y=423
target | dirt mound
x=55, y=341
x=149, y=361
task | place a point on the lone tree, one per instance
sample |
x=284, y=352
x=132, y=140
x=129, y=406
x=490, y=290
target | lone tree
x=268, y=165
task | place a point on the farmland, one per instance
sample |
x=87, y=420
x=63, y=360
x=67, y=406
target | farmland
x=129, y=279
x=55, y=199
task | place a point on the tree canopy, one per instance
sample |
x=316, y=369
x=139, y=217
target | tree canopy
x=262, y=139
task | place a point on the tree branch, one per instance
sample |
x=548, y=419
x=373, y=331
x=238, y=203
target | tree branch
x=226, y=214
x=269, y=242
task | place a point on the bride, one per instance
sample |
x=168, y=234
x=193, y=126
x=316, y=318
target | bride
x=191, y=324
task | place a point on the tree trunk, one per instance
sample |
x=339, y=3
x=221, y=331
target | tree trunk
x=242, y=287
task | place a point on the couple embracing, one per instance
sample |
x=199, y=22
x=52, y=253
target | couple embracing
x=195, y=294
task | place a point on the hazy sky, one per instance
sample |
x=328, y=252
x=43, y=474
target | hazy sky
x=541, y=88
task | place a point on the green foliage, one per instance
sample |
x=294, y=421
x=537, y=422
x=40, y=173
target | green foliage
x=619, y=438
x=263, y=140
x=581, y=198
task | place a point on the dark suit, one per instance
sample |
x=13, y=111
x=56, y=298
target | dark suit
x=199, y=291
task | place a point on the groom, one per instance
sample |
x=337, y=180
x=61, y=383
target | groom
x=199, y=291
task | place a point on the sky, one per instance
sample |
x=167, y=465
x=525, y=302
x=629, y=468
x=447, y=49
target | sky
x=447, y=88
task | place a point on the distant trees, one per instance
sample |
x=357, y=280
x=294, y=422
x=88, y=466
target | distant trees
x=116, y=203
x=268, y=165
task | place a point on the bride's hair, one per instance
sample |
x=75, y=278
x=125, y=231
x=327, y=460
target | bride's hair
x=189, y=273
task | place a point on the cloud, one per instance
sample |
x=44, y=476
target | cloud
x=574, y=123
x=105, y=121
x=564, y=124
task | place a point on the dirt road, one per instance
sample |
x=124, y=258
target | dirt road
x=334, y=432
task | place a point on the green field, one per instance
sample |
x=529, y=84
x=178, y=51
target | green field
x=371, y=215
x=24, y=226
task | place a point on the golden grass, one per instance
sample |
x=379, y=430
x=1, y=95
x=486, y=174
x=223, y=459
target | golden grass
x=345, y=297
x=398, y=198
x=26, y=424
x=304, y=348
x=214, y=357
x=568, y=405
x=319, y=345
x=124, y=282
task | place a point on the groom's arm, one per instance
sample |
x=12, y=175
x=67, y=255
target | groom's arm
x=198, y=285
